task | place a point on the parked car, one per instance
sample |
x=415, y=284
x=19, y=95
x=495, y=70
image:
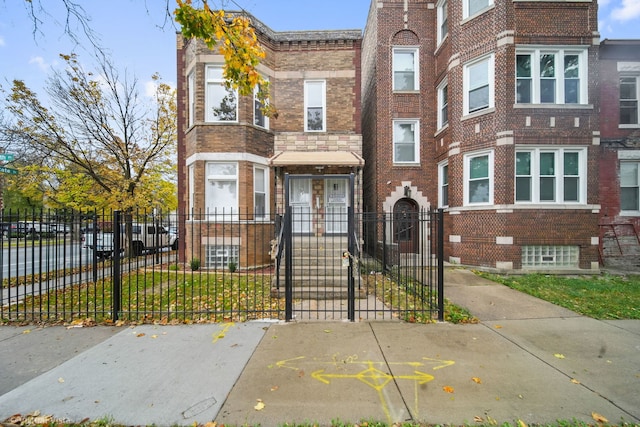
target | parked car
x=11, y=229
x=145, y=237
x=36, y=230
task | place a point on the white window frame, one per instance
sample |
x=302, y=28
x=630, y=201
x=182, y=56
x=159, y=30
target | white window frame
x=559, y=175
x=489, y=60
x=308, y=104
x=635, y=185
x=559, y=78
x=416, y=67
x=416, y=141
x=467, y=177
x=191, y=184
x=465, y=8
x=211, y=82
x=264, y=192
x=211, y=178
x=443, y=184
x=257, y=104
x=443, y=20
x=443, y=104
x=191, y=94
x=630, y=100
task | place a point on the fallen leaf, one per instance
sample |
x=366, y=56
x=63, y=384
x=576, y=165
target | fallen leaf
x=447, y=389
x=575, y=381
x=259, y=406
x=476, y=380
x=478, y=419
x=599, y=418
x=300, y=373
x=559, y=355
x=498, y=327
x=26, y=331
x=327, y=331
x=141, y=334
x=274, y=388
x=154, y=336
x=522, y=423
x=60, y=380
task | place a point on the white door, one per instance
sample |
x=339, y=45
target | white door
x=336, y=197
x=300, y=201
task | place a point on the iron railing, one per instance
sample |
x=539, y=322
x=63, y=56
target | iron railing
x=224, y=266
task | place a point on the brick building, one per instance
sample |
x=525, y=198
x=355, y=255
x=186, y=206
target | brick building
x=232, y=159
x=480, y=107
x=620, y=153
x=488, y=109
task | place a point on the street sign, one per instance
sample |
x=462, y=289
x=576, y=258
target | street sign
x=6, y=157
x=8, y=170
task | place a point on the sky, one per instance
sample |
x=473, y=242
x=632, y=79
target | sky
x=140, y=40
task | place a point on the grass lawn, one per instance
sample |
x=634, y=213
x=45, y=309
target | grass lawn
x=599, y=296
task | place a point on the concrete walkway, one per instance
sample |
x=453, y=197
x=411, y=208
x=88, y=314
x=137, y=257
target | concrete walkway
x=526, y=359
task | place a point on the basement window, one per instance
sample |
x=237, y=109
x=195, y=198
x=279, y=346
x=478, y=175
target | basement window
x=220, y=256
x=551, y=256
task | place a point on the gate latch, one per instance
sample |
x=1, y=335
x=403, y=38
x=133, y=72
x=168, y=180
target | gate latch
x=345, y=258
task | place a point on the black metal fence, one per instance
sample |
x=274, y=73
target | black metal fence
x=61, y=266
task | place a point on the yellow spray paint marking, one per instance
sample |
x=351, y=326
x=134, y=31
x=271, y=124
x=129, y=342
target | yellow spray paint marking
x=370, y=375
x=219, y=335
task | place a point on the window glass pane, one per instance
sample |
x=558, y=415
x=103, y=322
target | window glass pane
x=628, y=88
x=548, y=91
x=547, y=189
x=221, y=102
x=523, y=163
x=523, y=189
x=214, y=73
x=222, y=195
x=314, y=119
x=628, y=112
x=523, y=65
x=479, y=191
x=571, y=91
x=478, y=99
x=547, y=65
x=629, y=174
x=405, y=132
x=629, y=199
x=479, y=167
x=445, y=103
x=314, y=94
x=259, y=180
x=222, y=169
x=477, y=5
x=404, y=153
x=571, y=67
x=547, y=163
x=571, y=189
x=571, y=165
x=404, y=70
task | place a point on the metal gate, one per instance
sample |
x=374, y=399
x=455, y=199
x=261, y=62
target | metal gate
x=341, y=264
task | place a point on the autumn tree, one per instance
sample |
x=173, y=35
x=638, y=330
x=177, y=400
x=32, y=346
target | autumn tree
x=100, y=143
x=232, y=35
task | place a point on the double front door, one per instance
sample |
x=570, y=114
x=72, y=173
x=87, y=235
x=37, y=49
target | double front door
x=307, y=208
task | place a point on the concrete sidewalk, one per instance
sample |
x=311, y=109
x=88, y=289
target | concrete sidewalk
x=526, y=359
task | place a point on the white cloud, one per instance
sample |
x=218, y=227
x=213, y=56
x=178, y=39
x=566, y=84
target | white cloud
x=40, y=62
x=628, y=10
x=150, y=88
